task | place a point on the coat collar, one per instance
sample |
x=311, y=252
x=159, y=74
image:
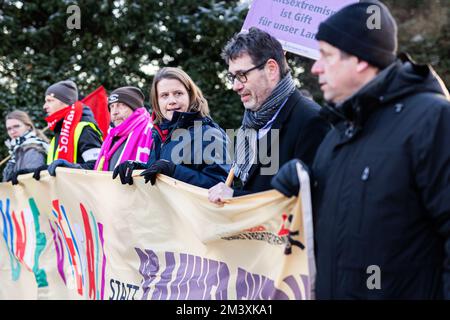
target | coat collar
x=283, y=116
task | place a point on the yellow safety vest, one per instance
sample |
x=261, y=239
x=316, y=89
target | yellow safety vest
x=52, y=155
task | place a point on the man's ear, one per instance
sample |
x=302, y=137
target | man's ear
x=362, y=66
x=273, y=69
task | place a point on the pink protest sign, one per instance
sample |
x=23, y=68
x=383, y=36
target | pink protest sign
x=293, y=22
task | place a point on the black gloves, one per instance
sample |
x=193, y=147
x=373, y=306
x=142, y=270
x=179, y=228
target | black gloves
x=52, y=168
x=37, y=171
x=61, y=163
x=15, y=174
x=160, y=166
x=286, y=180
x=125, y=170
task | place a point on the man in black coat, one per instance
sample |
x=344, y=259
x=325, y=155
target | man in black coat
x=279, y=123
x=381, y=186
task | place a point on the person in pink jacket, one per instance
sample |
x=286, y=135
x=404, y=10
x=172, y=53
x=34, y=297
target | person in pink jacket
x=131, y=135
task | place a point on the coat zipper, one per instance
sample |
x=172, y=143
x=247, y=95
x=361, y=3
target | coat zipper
x=364, y=177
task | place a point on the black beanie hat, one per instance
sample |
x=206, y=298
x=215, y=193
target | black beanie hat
x=131, y=96
x=66, y=91
x=348, y=30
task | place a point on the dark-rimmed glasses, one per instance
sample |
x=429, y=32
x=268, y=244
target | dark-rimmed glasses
x=242, y=75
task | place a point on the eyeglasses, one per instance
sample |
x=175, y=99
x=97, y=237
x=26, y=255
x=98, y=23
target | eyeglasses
x=242, y=75
x=14, y=127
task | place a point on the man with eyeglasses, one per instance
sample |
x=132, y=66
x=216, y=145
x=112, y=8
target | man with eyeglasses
x=277, y=117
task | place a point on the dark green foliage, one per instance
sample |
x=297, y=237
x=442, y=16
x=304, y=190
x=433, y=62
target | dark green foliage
x=116, y=39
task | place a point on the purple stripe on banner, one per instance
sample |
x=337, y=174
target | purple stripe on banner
x=181, y=270
x=224, y=276
x=290, y=281
x=184, y=288
x=166, y=277
x=261, y=292
x=256, y=292
x=306, y=284
x=196, y=287
x=202, y=280
x=148, y=268
x=59, y=252
x=241, y=285
x=251, y=286
x=213, y=278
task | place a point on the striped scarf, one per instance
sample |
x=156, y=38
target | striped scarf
x=247, y=136
x=29, y=137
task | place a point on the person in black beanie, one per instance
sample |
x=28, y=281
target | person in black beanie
x=354, y=31
x=381, y=177
x=65, y=91
x=131, y=98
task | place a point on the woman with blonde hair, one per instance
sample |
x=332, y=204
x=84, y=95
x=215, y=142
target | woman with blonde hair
x=27, y=146
x=183, y=132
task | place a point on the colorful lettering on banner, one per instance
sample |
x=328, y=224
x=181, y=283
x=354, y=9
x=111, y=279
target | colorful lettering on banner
x=66, y=239
x=24, y=239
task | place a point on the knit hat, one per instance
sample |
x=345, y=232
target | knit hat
x=131, y=96
x=66, y=91
x=355, y=30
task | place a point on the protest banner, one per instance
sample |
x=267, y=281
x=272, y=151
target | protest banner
x=82, y=235
x=293, y=22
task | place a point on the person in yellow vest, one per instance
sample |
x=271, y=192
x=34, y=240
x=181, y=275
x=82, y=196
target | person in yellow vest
x=77, y=139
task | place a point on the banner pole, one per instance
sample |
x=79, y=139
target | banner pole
x=4, y=160
x=230, y=177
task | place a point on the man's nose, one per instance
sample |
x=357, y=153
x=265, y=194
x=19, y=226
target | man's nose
x=317, y=67
x=237, y=85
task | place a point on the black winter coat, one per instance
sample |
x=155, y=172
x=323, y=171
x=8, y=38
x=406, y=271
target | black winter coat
x=190, y=149
x=381, y=191
x=301, y=130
